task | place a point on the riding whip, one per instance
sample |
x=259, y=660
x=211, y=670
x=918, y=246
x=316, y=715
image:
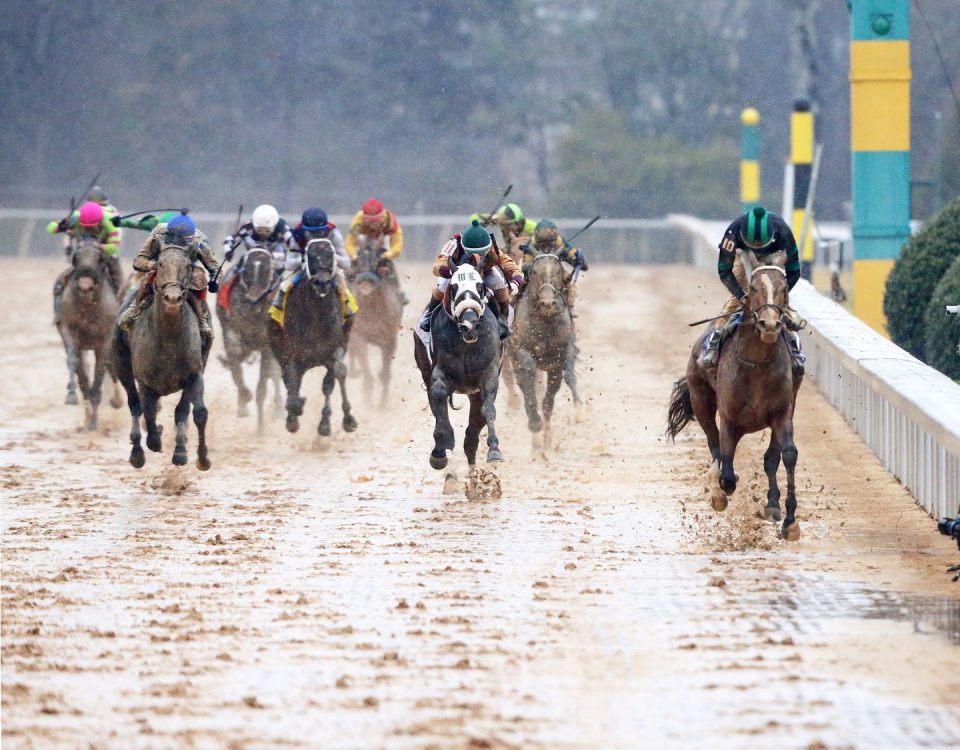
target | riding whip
x=716, y=317
x=590, y=223
x=216, y=275
x=502, y=199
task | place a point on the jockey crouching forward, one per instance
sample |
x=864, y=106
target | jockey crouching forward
x=314, y=225
x=377, y=228
x=547, y=239
x=764, y=239
x=265, y=229
x=181, y=231
x=476, y=246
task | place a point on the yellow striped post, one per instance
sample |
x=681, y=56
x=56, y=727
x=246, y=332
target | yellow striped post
x=801, y=156
x=749, y=158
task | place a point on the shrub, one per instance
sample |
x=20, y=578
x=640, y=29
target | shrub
x=942, y=330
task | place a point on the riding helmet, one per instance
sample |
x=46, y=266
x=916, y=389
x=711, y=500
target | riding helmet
x=755, y=231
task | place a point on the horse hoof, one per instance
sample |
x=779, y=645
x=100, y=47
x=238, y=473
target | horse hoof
x=243, y=411
x=71, y=399
x=727, y=486
x=349, y=423
x=438, y=462
x=295, y=408
x=536, y=440
x=450, y=484
x=535, y=425
x=153, y=443
x=180, y=458
x=203, y=464
x=494, y=456
x=293, y=424
x=323, y=429
x=581, y=414
x=245, y=396
x=719, y=501
x=771, y=514
x=792, y=532
x=137, y=459
x=116, y=403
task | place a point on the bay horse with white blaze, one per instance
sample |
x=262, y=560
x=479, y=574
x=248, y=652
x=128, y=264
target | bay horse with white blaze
x=465, y=358
x=755, y=388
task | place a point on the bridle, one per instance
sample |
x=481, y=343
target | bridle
x=561, y=293
x=778, y=308
x=184, y=282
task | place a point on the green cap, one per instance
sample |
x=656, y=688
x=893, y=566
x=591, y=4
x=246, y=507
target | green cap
x=756, y=232
x=476, y=239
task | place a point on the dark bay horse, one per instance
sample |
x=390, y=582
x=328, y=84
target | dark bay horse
x=165, y=353
x=544, y=339
x=755, y=388
x=312, y=335
x=88, y=308
x=242, y=311
x=377, y=322
x=465, y=358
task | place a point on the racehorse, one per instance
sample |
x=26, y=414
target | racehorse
x=163, y=354
x=377, y=321
x=465, y=358
x=242, y=310
x=544, y=339
x=88, y=308
x=312, y=335
x=755, y=388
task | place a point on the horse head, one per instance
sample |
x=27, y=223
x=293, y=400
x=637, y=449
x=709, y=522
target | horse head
x=368, y=269
x=545, y=284
x=766, y=302
x=467, y=301
x=257, y=274
x=319, y=264
x=174, y=269
x=87, y=261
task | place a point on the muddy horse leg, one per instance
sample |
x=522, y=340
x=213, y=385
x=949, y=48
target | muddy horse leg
x=74, y=363
x=554, y=381
x=180, y=415
x=340, y=373
x=525, y=370
x=151, y=404
x=234, y=362
x=262, y=380
x=570, y=378
x=95, y=392
x=443, y=438
x=292, y=377
x=771, y=463
x=488, y=410
x=784, y=432
x=472, y=438
x=323, y=429
x=200, y=420
x=387, y=353
x=123, y=369
x=729, y=438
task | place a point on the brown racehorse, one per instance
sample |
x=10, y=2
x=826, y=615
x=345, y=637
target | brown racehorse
x=88, y=308
x=754, y=388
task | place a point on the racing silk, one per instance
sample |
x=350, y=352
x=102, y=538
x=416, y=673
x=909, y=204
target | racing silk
x=563, y=250
x=154, y=243
x=782, y=251
x=388, y=236
x=148, y=222
x=514, y=240
x=300, y=238
x=106, y=233
x=452, y=252
x=247, y=238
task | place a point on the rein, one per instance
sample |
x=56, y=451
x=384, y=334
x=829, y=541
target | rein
x=561, y=293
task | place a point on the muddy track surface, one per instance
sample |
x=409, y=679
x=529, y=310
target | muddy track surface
x=328, y=594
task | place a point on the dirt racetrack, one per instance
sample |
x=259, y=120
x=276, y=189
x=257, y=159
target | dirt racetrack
x=329, y=595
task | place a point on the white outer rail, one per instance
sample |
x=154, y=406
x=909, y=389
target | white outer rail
x=905, y=411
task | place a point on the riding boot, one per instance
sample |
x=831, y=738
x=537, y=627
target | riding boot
x=203, y=315
x=427, y=312
x=797, y=356
x=347, y=325
x=710, y=357
x=114, y=272
x=138, y=304
x=58, y=287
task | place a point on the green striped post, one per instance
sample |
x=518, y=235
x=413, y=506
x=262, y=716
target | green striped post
x=749, y=158
x=880, y=142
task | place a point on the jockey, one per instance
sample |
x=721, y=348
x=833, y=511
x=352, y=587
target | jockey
x=374, y=225
x=146, y=222
x=766, y=240
x=516, y=229
x=314, y=225
x=182, y=231
x=89, y=221
x=476, y=246
x=547, y=239
x=265, y=229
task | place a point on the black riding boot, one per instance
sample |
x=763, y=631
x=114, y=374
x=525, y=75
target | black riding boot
x=428, y=310
x=798, y=358
x=347, y=325
x=503, y=318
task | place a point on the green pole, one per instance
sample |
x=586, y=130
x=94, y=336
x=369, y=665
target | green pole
x=749, y=158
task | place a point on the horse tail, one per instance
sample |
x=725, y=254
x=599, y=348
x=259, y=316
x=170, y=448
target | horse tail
x=680, y=413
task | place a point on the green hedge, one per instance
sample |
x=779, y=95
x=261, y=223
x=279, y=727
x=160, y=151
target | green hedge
x=943, y=331
x=921, y=265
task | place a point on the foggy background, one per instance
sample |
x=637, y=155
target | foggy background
x=627, y=108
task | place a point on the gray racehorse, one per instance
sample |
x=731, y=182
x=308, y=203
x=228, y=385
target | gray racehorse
x=466, y=357
x=165, y=353
x=88, y=308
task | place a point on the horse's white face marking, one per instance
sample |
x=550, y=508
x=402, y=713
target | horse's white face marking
x=768, y=283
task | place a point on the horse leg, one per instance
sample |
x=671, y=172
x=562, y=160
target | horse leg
x=262, y=380
x=361, y=356
x=729, y=438
x=73, y=366
x=234, y=362
x=323, y=429
x=180, y=415
x=510, y=379
x=525, y=370
x=292, y=377
x=200, y=420
x=570, y=378
x=704, y=403
x=151, y=403
x=488, y=410
x=554, y=381
x=784, y=430
x=443, y=438
x=96, y=388
x=340, y=373
x=387, y=353
x=771, y=463
x=472, y=438
x=123, y=369
x=274, y=374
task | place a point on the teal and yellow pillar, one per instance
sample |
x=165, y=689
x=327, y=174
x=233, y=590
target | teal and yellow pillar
x=880, y=141
x=801, y=156
x=749, y=158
